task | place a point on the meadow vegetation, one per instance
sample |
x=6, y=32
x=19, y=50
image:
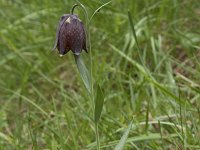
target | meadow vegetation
x=147, y=63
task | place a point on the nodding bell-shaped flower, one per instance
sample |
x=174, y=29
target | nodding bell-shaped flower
x=70, y=35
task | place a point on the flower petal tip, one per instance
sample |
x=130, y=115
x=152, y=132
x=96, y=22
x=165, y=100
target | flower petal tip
x=77, y=54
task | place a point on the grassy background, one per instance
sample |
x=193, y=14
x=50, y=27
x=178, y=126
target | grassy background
x=44, y=104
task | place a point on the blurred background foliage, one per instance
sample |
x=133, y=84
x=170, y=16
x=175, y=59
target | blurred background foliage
x=44, y=104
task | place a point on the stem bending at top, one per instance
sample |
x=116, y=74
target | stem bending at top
x=72, y=10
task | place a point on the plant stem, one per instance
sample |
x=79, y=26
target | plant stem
x=97, y=135
x=92, y=89
x=88, y=45
x=92, y=86
x=72, y=10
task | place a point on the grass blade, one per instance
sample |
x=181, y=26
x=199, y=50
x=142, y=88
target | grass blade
x=122, y=141
x=98, y=9
x=133, y=29
x=148, y=76
x=98, y=104
x=6, y=138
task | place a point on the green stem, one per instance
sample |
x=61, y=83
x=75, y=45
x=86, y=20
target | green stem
x=72, y=10
x=88, y=44
x=97, y=136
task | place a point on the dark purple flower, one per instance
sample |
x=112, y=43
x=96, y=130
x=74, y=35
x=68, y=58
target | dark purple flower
x=70, y=35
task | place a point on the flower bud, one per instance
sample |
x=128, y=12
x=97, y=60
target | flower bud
x=70, y=35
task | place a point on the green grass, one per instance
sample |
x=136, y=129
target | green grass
x=152, y=82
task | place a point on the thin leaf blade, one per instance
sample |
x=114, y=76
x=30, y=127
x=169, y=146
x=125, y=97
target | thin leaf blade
x=123, y=139
x=83, y=72
x=98, y=104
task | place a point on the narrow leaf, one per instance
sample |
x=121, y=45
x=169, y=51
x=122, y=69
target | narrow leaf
x=122, y=141
x=98, y=104
x=83, y=72
x=133, y=29
x=135, y=37
x=98, y=9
